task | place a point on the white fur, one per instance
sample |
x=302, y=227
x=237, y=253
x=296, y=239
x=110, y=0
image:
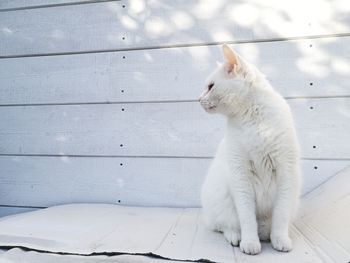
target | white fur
x=252, y=188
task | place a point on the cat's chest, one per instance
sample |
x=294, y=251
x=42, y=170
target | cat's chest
x=262, y=174
x=255, y=140
x=262, y=166
x=258, y=149
x=260, y=159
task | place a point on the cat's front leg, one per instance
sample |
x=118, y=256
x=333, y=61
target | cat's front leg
x=284, y=206
x=243, y=194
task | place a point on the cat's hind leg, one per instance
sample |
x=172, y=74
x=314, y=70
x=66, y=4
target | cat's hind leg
x=218, y=207
x=226, y=221
x=233, y=236
x=220, y=215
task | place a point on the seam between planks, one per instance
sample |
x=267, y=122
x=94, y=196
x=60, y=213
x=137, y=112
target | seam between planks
x=55, y=5
x=104, y=156
x=96, y=103
x=199, y=44
x=143, y=156
x=148, y=101
x=21, y=206
x=326, y=181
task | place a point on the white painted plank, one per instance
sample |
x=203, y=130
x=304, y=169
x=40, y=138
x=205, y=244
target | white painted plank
x=14, y=4
x=104, y=26
x=324, y=218
x=172, y=74
x=316, y=172
x=158, y=129
x=6, y=211
x=46, y=181
x=152, y=129
x=139, y=181
x=323, y=126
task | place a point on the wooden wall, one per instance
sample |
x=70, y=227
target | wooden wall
x=98, y=99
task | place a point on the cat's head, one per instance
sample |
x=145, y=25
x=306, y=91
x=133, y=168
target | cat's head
x=227, y=85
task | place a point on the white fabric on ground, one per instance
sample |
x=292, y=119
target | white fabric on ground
x=320, y=234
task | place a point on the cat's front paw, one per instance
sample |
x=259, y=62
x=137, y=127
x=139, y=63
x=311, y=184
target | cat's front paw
x=251, y=247
x=281, y=243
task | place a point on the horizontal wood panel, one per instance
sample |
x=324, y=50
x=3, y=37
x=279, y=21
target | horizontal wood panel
x=139, y=24
x=293, y=67
x=158, y=129
x=323, y=127
x=46, y=181
x=14, y=4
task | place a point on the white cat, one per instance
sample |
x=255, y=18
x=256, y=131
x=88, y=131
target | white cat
x=252, y=188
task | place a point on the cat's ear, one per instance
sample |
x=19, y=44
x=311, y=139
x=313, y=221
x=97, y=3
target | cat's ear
x=232, y=61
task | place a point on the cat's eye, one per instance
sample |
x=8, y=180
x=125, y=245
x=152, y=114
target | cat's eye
x=210, y=86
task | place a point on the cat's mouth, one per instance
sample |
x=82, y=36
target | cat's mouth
x=207, y=106
x=211, y=108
